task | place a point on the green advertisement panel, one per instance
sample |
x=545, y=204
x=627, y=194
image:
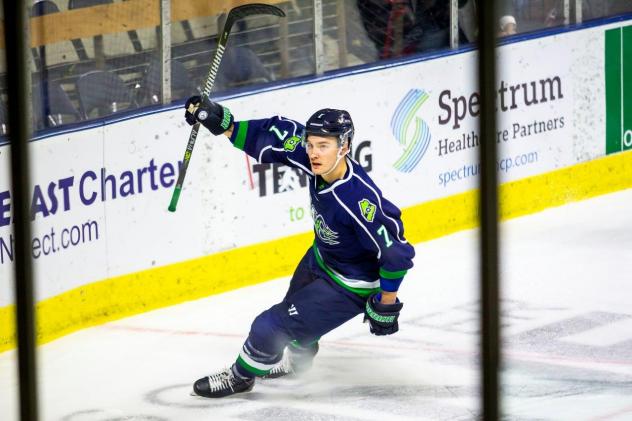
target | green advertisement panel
x=618, y=89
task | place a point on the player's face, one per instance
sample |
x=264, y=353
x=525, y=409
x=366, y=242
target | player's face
x=322, y=152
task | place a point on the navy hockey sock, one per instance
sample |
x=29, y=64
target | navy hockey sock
x=242, y=373
x=252, y=362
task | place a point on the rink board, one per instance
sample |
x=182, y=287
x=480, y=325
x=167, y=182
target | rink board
x=105, y=246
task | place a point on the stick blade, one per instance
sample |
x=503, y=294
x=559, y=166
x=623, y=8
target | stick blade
x=241, y=12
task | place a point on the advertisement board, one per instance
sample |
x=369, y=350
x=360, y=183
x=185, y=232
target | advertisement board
x=100, y=196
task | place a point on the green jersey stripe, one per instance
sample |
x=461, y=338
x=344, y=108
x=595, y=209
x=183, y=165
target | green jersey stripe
x=392, y=275
x=363, y=292
x=242, y=130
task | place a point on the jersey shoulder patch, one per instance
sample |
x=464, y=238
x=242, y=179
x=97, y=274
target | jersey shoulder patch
x=290, y=144
x=367, y=209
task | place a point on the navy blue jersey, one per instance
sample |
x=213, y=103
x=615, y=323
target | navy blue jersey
x=359, y=237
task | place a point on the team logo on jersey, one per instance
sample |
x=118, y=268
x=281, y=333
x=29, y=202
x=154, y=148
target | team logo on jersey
x=326, y=234
x=367, y=209
x=290, y=143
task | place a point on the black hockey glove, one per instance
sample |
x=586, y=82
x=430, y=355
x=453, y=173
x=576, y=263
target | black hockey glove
x=215, y=117
x=382, y=317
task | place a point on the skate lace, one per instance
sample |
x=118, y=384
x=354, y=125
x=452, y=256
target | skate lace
x=222, y=380
x=283, y=367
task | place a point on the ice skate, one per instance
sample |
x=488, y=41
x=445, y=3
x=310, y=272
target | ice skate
x=283, y=368
x=224, y=383
x=296, y=361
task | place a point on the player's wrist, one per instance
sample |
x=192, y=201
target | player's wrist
x=229, y=133
x=390, y=285
x=387, y=297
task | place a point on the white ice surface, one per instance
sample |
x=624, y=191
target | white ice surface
x=567, y=318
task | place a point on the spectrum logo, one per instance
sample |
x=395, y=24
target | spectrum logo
x=414, y=138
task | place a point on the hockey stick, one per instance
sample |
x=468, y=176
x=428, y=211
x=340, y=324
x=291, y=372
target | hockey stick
x=234, y=15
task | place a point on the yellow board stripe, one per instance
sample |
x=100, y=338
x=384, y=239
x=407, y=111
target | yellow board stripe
x=7, y=327
x=122, y=296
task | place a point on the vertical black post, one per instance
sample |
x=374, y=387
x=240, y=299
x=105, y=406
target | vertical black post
x=490, y=304
x=18, y=80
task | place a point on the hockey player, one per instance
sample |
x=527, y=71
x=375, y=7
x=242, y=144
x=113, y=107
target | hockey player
x=356, y=263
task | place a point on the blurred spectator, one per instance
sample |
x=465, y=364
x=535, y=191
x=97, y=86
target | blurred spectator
x=554, y=17
x=520, y=7
x=431, y=30
x=467, y=20
x=388, y=23
x=401, y=27
x=240, y=66
x=591, y=9
x=507, y=26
